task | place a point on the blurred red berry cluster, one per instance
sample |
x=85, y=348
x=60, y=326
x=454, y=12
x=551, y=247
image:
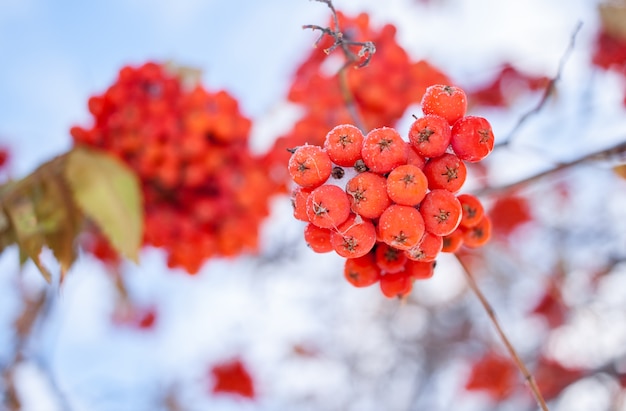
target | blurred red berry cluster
x=204, y=192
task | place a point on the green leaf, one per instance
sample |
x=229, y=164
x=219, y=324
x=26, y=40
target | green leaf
x=108, y=193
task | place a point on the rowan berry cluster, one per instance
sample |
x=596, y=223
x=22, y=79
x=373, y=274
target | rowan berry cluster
x=390, y=205
x=204, y=192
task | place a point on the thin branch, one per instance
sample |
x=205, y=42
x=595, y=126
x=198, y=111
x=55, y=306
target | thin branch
x=549, y=90
x=363, y=56
x=603, y=154
x=530, y=380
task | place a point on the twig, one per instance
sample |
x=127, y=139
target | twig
x=367, y=48
x=530, y=380
x=603, y=154
x=549, y=90
x=342, y=41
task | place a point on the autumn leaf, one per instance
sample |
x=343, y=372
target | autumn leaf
x=232, y=377
x=494, y=374
x=108, y=193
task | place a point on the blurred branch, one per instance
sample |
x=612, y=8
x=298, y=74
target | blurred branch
x=530, y=380
x=549, y=90
x=36, y=310
x=602, y=154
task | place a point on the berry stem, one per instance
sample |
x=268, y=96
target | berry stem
x=530, y=380
x=348, y=99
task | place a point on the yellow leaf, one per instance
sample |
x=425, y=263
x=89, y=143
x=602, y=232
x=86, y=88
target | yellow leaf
x=620, y=170
x=21, y=212
x=108, y=193
x=59, y=219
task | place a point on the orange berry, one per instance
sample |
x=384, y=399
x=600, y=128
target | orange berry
x=473, y=210
x=441, y=212
x=446, y=171
x=343, y=144
x=361, y=271
x=317, y=238
x=354, y=238
x=407, y=185
x=479, y=234
x=367, y=192
x=420, y=270
x=383, y=150
x=401, y=226
x=309, y=166
x=396, y=284
x=427, y=249
x=327, y=206
x=453, y=241
x=389, y=259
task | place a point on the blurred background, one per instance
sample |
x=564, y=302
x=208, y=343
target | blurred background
x=277, y=326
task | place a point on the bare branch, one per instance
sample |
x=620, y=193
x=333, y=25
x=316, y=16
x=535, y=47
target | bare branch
x=604, y=154
x=530, y=380
x=549, y=90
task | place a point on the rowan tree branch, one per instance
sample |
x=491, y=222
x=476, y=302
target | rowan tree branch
x=548, y=92
x=530, y=380
x=603, y=154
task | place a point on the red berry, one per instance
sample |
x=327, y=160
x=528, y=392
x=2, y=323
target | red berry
x=420, y=270
x=389, y=259
x=396, y=284
x=383, y=150
x=479, y=234
x=446, y=171
x=430, y=135
x=449, y=102
x=327, y=206
x=401, y=226
x=343, y=144
x=472, y=138
x=367, y=192
x=473, y=210
x=318, y=238
x=407, y=185
x=441, y=212
x=427, y=249
x=361, y=271
x=309, y=166
x=354, y=238
x=453, y=241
